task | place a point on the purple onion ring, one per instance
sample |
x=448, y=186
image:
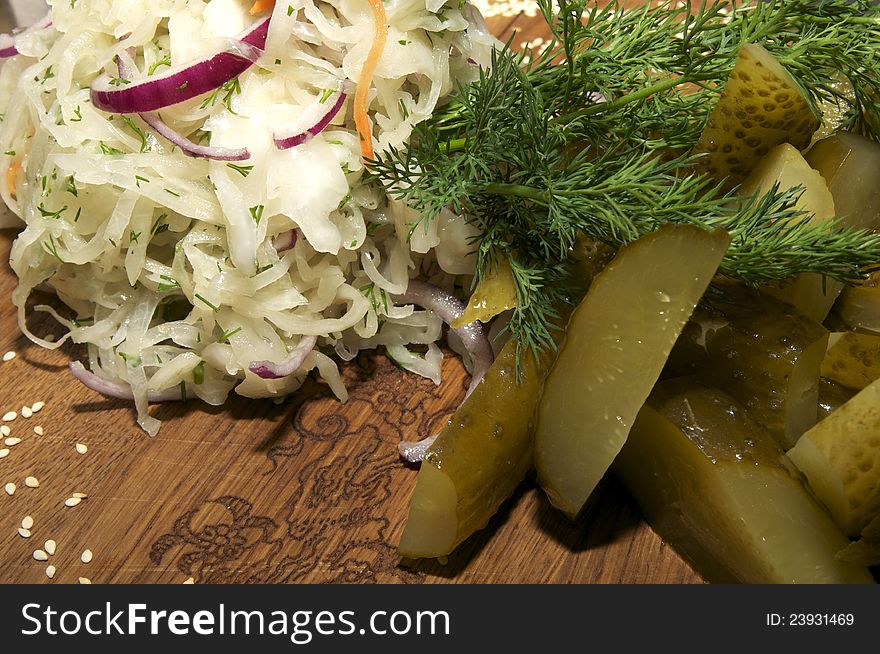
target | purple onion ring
x=120, y=390
x=287, y=142
x=288, y=366
x=186, y=146
x=183, y=83
x=285, y=241
x=7, y=41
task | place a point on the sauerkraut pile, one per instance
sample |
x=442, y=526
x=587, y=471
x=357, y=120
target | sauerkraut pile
x=229, y=240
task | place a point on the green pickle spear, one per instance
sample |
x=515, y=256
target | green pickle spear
x=716, y=487
x=486, y=449
x=616, y=344
x=477, y=461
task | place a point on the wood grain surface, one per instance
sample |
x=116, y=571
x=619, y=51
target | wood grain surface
x=310, y=490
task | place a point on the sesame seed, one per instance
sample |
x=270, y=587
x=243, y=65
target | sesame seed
x=190, y=581
x=85, y=580
x=12, y=441
x=37, y=406
x=40, y=555
x=9, y=488
x=5, y=430
x=86, y=556
x=50, y=571
x=27, y=522
x=81, y=496
x=82, y=448
x=72, y=501
x=26, y=412
x=24, y=533
x=32, y=482
x=9, y=356
x=50, y=547
x=38, y=430
x=4, y=453
x=9, y=416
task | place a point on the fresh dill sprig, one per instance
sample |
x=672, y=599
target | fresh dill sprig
x=591, y=136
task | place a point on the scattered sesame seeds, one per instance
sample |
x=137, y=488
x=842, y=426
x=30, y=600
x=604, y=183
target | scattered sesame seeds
x=27, y=522
x=38, y=430
x=12, y=441
x=9, y=488
x=72, y=501
x=5, y=430
x=81, y=496
x=4, y=453
x=32, y=482
x=86, y=556
x=82, y=448
x=50, y=547
x=50, y=571
x=50, y=338
x=37, y=406
x=9, y=356
x=26, y=412
x=40, y=555
x=24, y=533
x=85, y=580
x=9, y=416
x=190, y=581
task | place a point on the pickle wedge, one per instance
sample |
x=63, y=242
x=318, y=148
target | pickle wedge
x=811, y=293
x=616, y=344
x=852, y=360
x=850, y=165
x=477, y=461
x=840, y=458
x=763, y=352
x=761, y=107
x=859, y=307
x=714, y=485
x=486, y=449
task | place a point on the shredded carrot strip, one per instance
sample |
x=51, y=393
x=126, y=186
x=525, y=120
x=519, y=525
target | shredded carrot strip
x=361, y=120
x=11, y=174
x=261, y=6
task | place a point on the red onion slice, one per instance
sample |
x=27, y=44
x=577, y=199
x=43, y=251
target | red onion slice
x=182, y=83
x=7, y=41
x=187, y=147
x=270, y=370
x=287, y=142
x=120, y=390
x=285, y=241
x=449, y=307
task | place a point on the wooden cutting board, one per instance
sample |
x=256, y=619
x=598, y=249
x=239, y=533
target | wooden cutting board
x=310, y=490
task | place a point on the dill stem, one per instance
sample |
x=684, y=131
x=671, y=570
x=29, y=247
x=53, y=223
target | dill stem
x=518, y=190
x=635, y=96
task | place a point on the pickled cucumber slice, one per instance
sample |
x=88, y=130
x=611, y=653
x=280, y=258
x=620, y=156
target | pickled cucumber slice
x=812, y=294
x=712, y=483
x=477, y=461
x=615, y=346
x=486, y=448
x=840, y=458
x=859, y=307
x=852, y=359
x=850, y=165
x=496, y=293
x=761, y=351
x=761, y=107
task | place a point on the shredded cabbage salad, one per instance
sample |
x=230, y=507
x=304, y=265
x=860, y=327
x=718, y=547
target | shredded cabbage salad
x=181, y=272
